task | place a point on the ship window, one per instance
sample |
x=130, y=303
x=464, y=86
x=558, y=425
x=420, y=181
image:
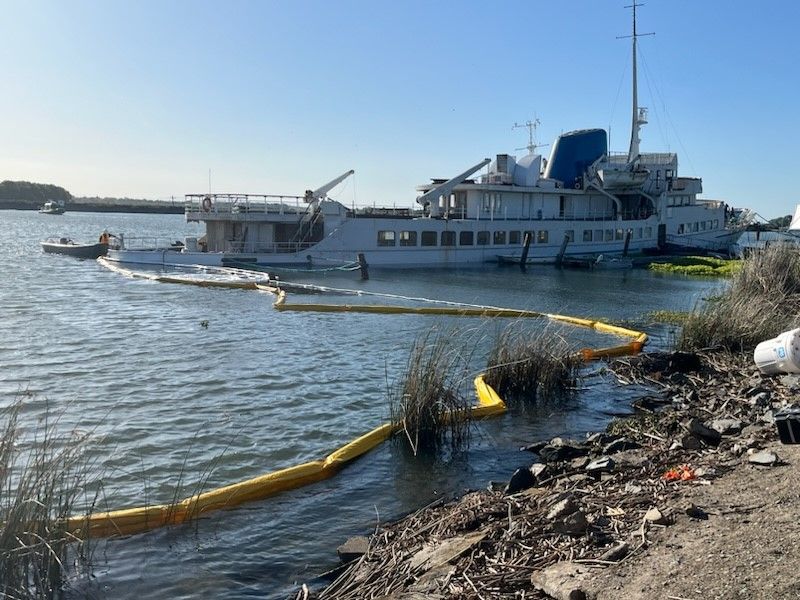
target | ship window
x=648, y=232
x=710, y=224
x=486, y=206
x=408, y=238
x=609, y=236
x=587, y=235
x=483, y=238
x=619, y=234
x=465, y=238
x=428, y=238
x=448, y=238
x=639, y=233
x=702, y=225
x=542, y=239
x=570, y=235
x=598, y=235
x=499, y=238
x=513, y=237
x=386, y=238
x=680, y=228
x=716, y=223
x=695, y=226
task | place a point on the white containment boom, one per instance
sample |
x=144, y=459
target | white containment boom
x=320, y=192
x=447, y=187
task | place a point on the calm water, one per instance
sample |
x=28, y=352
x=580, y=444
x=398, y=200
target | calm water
x=166, y=400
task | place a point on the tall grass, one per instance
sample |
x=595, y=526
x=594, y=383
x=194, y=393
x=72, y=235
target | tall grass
x=42, y=478
x=762, y=300
x=532, y=366
x=429, y=401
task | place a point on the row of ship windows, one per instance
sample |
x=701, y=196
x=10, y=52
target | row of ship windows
x=698, y=226
x=501, y=238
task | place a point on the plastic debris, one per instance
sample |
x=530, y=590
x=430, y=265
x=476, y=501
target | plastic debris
x=679, y=473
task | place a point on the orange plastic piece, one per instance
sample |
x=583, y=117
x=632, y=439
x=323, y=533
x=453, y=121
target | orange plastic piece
x=679, y=473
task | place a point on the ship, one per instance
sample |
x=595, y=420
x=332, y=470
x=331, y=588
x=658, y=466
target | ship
x=581, y=201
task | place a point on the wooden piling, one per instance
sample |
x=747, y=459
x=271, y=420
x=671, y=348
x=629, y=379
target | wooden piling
x=525, y=246
x=628, y=235
x=362, y=264
x=562, y=250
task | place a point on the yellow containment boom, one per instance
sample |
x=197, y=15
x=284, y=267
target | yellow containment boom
x=136, y=520
x=129, y=521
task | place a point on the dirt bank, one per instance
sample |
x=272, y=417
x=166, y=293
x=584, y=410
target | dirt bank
x=600, y=518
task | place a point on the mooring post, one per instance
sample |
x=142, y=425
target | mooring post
x=562, y=250
x=628, y=235
x=526, y=242
x=362, y=264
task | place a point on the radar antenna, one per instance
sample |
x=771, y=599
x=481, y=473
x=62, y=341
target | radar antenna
x=531, y=126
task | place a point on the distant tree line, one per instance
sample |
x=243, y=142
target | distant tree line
x=34, y=193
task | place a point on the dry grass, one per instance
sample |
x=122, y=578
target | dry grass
x=532, y=366
x=42, y=478
x=430, y=402
x=763, y=300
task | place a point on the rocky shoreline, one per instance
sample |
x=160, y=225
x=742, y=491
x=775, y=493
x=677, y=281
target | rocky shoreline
x=572, y=524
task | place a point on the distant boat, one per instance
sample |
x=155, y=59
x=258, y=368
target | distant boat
x=71, y=248
x=52, y=208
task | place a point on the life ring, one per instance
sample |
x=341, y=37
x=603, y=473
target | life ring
x=207, y=204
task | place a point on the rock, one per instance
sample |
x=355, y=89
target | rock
x=689, y=442
x=562, y=451
x=535, y=447
x=655, y=517
x=496, y=486
x=760, y=400
x=763, y=459
x=540, y=471
x=353, y=549
x=791, y=381
x=695, y=512
x=616, y=553
x=565, y=507
x=598, y=438
x=573, y=524
x=600, y=465
x=726, y=426
x=707, y=472
x=704, y=432
x=563, y=581
x=579, y=463
x=620, y=445
x=522, y=479
x=650, y=404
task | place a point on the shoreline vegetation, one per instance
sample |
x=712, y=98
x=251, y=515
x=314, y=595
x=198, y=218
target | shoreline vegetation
x=634, y=511
x=24, y=195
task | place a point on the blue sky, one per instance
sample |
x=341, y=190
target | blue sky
x=143, y=98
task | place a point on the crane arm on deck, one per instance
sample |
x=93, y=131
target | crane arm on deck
x=320, y=192
x=447, y=187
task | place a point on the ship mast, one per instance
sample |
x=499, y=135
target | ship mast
x=639, y=116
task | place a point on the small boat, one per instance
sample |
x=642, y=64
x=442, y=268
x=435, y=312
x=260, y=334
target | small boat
x=71, y=248
x=52, y=208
